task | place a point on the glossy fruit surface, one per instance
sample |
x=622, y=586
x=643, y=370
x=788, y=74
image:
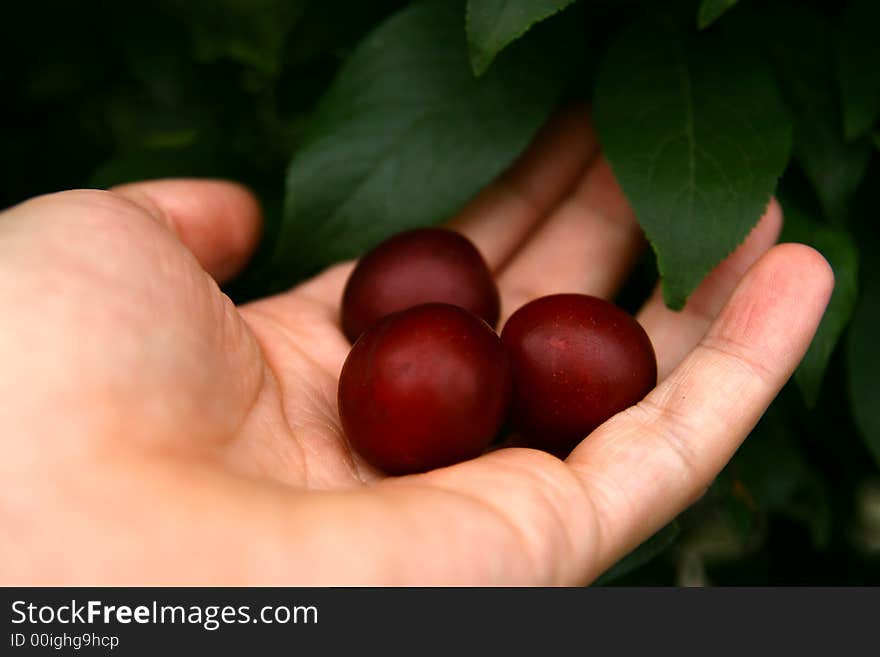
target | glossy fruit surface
x=577, y=360
x=425, y=265
x=424, y=388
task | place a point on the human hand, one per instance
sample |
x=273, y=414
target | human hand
x=153, y=433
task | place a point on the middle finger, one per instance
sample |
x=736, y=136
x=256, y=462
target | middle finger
x=587, y=245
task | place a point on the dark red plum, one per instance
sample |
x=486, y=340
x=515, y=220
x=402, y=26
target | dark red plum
x=424, y=388
x=577, y=360
x=425, y=265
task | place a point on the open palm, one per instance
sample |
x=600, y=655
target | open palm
x=154, y=433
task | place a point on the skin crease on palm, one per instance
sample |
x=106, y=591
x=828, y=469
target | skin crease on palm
x=153, y=433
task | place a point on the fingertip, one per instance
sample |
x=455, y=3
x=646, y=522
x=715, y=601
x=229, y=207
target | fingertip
x=501, y=218
x=806, y=264
x=560, y=151
x=779, y=303
x=218, y=220
x=773, y=218
x=572, y=125
x=712, y=294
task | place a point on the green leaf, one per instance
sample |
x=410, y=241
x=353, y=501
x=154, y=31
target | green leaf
x=492, y=25
x=858, y=67
x=835, y=243
x=863, y=364
x=771, y=475
x=406, y=134
x=643, y=554
x=798, y=43
x=711, y=10
x=697, y=137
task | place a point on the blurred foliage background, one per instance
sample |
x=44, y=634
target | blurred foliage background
x=99, y=93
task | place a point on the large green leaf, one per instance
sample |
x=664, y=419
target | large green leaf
x=406, y=134
x=697, y=137
x=798, y=43
x=711, y=10
x=492, y=25
x=863, y=363
x=835, y=243
x=858, y=67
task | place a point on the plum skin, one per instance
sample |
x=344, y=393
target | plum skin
x=577, y=360
x=424, y=388
x=424, y=265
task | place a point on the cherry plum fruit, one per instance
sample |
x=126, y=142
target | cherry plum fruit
x=423, y=388
x=577, y=360
x=425, y=265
